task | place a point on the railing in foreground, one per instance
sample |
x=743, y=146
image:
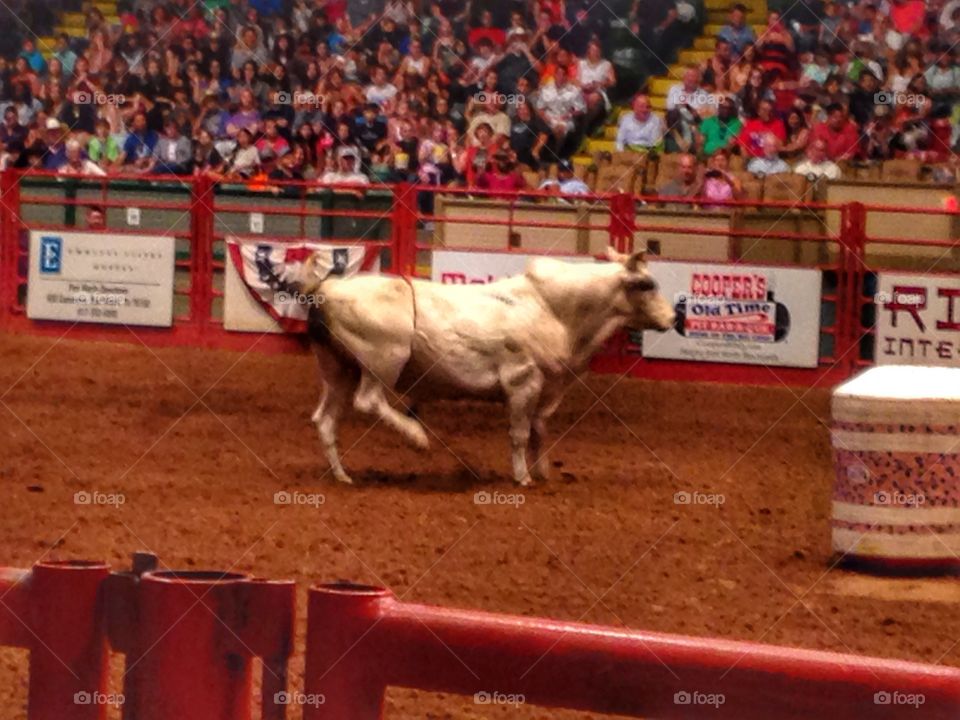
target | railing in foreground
x=189, y=639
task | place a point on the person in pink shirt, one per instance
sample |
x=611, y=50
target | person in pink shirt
x=839, y=133
x=502, y=176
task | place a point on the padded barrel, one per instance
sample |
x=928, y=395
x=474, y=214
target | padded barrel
x=896, y=445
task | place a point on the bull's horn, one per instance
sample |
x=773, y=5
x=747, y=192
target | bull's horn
x=635, y=260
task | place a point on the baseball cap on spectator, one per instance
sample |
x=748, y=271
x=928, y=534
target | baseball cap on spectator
x=53, y=124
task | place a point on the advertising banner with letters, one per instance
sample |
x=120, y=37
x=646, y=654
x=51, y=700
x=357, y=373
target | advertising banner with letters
x=101, y=278
x=740, y=314
x=918, y=319
x=459, y=267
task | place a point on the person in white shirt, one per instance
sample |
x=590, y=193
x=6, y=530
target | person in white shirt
x=640, y=130
x=380, y=91
x=77, y=164
x=347, y=172
x=770, y=163
x=817, y=165
x=690, y=93
x=561, y=104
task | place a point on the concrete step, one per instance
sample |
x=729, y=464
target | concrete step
x=661, y=85
x=720, y=17
x=713, y=29
x=595, y=146
x=72, y=31
x=704, y=43
x=694, y=57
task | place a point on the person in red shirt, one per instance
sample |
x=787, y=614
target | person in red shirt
x=839, y=132
x=907, y=15
x=486, y=30
x=501, y=177
x=753, y=131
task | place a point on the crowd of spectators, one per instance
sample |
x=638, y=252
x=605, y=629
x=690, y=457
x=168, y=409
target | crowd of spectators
x=832, y=85
x=451, y=91
x=328, y=90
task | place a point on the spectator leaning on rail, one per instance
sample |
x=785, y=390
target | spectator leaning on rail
x=770, y=163
x=817, y=165
x=640, y=130
x=687, y=183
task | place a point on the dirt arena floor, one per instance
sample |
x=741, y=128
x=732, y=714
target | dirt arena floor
x=198, y=443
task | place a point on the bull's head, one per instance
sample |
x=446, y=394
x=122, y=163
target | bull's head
x=640, y=298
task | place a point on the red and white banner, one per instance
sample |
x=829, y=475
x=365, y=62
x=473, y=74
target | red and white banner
x=259, y=294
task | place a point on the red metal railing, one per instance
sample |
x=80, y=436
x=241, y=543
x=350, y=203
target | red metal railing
x=189, y=639
x=845, y=328
x=360, y=640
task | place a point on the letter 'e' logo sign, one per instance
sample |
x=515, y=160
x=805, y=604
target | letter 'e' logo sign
x=51, y=254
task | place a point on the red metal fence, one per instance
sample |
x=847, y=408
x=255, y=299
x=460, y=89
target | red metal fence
x=190, y=638
x=196, y=210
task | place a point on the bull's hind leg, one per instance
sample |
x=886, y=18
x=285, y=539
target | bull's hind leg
x=522, y=385
x=539, y=450
x=370, y=398
x=337, y=382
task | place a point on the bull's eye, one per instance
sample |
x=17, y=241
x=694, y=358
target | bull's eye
x=645, y=284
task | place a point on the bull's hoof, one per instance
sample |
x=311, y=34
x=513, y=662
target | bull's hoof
x=344, y=478
x=541, y=472
x=525, y=481
x=419, y=439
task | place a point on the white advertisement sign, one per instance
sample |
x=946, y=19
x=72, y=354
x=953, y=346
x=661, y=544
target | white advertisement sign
x=101, y=278
x=741, y=314
x=918, y=319
x=458, y=267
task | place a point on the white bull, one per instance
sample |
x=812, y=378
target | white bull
x=521, y=340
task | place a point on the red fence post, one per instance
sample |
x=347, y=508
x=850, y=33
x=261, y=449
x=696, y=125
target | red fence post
x=361, y=640
x=68, y=643
x=202, y=209
x=623, y=222
x=404, y=230
x=853, y=241
x=191, y=641
x=9, y=243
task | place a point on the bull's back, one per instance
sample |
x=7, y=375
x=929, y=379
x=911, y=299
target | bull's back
x=364, y=315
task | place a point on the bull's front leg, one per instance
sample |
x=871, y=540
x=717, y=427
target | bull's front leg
x=522, y=385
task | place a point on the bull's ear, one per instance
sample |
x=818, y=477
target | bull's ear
x=634, y=262
x=614, y=256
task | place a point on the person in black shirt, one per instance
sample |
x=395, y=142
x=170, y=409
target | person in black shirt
x=528, y=136
x=370, y=129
